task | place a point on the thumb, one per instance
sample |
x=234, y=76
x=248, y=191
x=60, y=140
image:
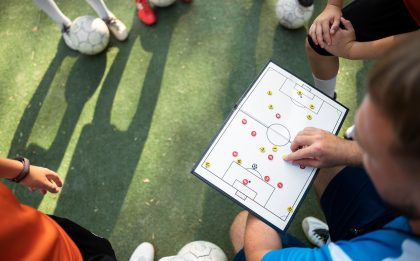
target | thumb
x=347, y=24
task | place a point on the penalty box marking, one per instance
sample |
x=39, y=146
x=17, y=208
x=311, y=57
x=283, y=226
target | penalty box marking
x=236, y=174
x=289, y=89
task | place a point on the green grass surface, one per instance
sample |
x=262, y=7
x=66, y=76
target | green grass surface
x=124, y=128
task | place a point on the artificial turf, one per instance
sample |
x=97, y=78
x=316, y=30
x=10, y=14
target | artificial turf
x=125, y=127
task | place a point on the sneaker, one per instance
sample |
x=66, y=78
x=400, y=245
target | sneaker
x=117, y=28
x=316, y=231
x=65, y=32
x=349, y=134
x=144, y=252
x=145, y=12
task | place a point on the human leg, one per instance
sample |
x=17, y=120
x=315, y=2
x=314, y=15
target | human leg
x=145, y=12
x=51, y=9
x=351, y=204
x=100, y=8
x=324, y=70
x=91, y=246
x=324, y=178
x=116, y=26
x=237, y=231
x=237, y=236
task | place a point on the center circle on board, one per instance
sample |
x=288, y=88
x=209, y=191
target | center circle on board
x=278, y=134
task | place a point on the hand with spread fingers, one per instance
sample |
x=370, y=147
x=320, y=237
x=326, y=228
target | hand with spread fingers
x=318, y=148
x=325, y=25
x=35, y=178
x=42, y=179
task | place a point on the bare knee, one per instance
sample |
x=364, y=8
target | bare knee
x=237, y=231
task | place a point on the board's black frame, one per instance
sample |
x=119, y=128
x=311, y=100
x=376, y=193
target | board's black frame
x=225, y=122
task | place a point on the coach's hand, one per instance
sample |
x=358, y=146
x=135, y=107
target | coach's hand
x=318, y=148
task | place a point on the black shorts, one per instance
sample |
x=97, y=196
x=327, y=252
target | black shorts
x=375, y=19
x=91, y=246
x=351, y=206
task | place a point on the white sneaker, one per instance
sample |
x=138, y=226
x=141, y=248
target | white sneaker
x=66, y=37
x=144, y=252
x=117, y=28
x=349, y=134
x=316, y=231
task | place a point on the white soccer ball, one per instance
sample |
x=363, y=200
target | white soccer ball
x=293, y=14
x=89, y=34
x=162, y=3
x=200, y=251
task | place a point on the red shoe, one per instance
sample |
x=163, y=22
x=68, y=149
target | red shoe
x=145, y=12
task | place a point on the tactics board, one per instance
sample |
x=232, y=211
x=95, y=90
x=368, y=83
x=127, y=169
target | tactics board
x=245, y=159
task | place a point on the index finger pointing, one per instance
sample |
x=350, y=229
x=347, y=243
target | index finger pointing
x=304, y=153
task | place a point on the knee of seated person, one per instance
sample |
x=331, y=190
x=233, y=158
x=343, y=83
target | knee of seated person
x=314, y=50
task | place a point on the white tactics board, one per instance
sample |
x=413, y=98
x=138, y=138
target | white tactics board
x=245, y=159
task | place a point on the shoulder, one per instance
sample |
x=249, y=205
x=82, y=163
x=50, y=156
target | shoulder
x=393, y=240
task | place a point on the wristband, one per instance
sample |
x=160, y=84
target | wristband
x=25, y=170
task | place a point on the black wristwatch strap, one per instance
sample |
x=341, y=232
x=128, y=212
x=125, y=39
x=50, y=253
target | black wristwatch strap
x=25, y=170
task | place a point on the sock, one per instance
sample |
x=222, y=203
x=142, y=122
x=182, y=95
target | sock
x=51, y=9
x=326, y=86
x=100, y=8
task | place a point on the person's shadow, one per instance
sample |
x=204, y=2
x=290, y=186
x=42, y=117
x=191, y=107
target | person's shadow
x=79, y=85
x=289, y=52
x=214, y=224
x=105, y=158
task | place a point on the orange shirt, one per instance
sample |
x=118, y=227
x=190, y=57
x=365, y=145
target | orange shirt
x=413, y=7
x=27, y=234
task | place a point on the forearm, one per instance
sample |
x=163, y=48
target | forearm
x=259, y=239
x=352, y=154
x=10, y=168
x=377, y=48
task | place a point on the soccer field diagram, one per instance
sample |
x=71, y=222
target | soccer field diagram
x=245, y=160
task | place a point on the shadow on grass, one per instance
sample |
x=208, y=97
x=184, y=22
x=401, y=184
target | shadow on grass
x=105, y=158
x=289, y=52
x=243, y=72
x=83, y=80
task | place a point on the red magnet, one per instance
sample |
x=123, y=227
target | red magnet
x=244, y=121
x=270, y=157
x=278, y=116
x=267, y=178
x=235, y=153
x=279, y=185
x=245, y=182
x=253, y=133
